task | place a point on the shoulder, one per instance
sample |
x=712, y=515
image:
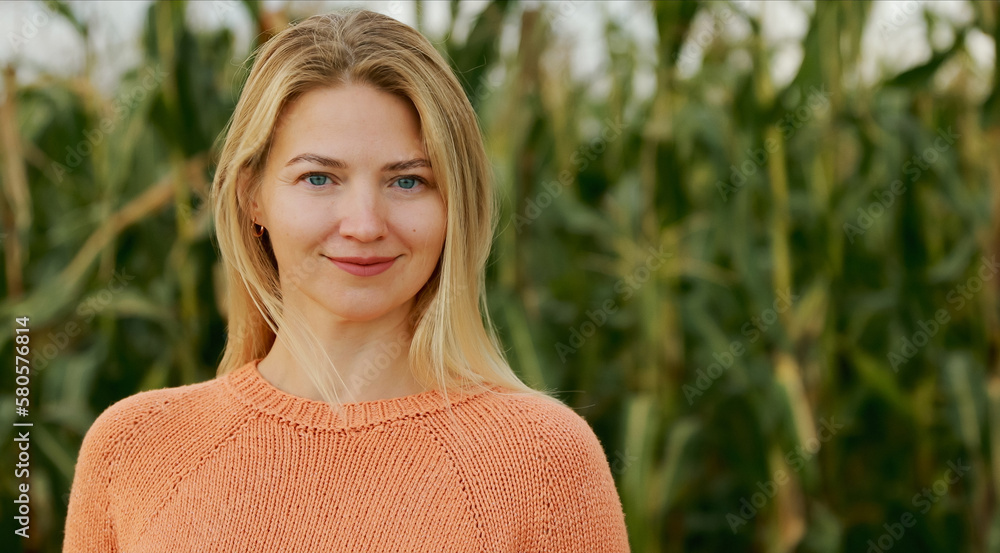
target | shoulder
x=569, y=446
x=557, y=433
x=151, y=420
x=543, y=414
x=122, y=416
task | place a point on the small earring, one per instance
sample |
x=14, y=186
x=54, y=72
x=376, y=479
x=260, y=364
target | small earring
x=256, y=232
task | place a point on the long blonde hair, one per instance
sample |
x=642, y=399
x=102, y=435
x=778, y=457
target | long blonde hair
x=454, y=344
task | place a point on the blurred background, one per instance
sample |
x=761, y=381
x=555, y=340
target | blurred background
x=752, y=243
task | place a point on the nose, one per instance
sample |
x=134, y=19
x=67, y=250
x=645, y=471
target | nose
x=362, y=211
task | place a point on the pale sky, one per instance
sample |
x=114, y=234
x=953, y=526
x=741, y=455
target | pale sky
x=39, y=41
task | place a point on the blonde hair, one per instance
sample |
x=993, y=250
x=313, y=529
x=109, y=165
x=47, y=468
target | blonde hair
x=453, y=341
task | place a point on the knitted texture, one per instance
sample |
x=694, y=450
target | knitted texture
x=234, y=464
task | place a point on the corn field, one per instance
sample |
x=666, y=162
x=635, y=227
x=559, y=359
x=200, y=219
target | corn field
x=774, y=300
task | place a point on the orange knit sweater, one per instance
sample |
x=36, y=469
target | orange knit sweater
x=236, y=465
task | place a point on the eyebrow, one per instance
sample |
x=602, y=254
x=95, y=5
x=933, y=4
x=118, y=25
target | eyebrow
x=338, y=164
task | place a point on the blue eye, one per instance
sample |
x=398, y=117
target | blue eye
x=407, y=183
x=310, y=179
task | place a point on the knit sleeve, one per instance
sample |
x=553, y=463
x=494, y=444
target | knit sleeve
x=585, y=511
x=89, y=525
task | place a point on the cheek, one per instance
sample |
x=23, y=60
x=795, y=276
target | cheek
x=295, y=228
x=297, y=218
x=427, y=227
x=434, y=227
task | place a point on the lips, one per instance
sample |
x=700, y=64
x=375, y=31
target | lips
x=363, y=266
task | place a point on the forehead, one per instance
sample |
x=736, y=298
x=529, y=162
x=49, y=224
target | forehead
x=354, y=122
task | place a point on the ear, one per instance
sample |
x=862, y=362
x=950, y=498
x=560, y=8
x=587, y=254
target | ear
x=255, y=212
x=253, y=207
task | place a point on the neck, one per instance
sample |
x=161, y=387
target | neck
x=371, y=365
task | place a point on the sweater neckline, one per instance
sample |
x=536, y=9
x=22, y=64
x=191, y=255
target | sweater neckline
x=255, y=390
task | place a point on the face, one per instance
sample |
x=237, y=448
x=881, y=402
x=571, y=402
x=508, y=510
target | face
x=350, y=204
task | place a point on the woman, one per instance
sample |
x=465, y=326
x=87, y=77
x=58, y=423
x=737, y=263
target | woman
x=362, y=404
